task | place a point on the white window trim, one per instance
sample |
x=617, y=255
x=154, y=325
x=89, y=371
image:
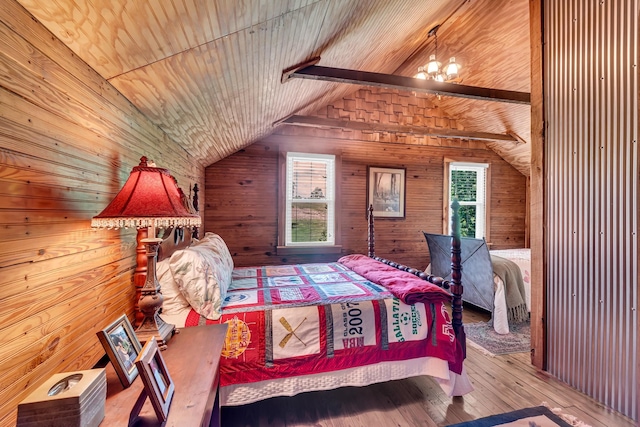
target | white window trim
x=329, y=199
x=450, y=164
x=307, y=249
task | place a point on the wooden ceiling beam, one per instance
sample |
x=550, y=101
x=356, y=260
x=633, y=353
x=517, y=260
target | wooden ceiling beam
x=320, y=122
x=341, y=75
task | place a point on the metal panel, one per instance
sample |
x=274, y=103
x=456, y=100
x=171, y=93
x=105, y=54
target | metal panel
x=591, y=157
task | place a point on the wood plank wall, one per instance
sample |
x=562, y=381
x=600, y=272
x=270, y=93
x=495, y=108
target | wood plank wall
x=241, y=190
x=68, y=141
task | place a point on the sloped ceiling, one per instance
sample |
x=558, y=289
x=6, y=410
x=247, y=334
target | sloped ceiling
x=208, y=72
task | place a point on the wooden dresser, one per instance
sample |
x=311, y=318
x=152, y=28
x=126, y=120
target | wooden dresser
x=192, y=359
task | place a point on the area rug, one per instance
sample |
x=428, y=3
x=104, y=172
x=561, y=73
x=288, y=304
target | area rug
x=484, y=337
x=539, y=416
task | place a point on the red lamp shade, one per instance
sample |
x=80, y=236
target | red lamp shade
x=149, y=198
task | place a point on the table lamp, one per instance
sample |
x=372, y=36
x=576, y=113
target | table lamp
x=149, y=199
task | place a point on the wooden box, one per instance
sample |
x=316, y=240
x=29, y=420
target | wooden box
x=68, y=399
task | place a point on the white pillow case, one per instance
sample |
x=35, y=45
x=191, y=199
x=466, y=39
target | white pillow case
x=203, y=274
x=174, y=302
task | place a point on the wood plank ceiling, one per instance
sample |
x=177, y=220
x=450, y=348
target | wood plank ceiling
x=208, y=72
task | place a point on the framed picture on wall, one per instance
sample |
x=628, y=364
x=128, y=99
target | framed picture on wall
x=122, y=346
x=386, y=191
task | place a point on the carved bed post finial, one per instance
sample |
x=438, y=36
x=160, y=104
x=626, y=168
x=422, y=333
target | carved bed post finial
x=456, y=275
x=195, y=232
x=195, y=197
x=372, y=251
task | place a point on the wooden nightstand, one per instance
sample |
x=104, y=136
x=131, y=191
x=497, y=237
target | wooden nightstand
x=192, y=359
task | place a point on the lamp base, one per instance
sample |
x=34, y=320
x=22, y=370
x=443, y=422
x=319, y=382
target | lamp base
x=155, y=327
x=150, y=301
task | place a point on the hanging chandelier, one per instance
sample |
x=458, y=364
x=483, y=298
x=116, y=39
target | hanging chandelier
x=434, y=70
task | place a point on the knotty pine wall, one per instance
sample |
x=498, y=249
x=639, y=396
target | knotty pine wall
x=68, y=141
x=241, y=190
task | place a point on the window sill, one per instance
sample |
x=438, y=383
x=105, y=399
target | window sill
x=300, y=250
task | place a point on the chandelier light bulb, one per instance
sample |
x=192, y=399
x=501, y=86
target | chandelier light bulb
x=421, y=74
x=433, y=66
x=452, y=68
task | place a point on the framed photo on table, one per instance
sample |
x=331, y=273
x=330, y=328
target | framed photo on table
x=156, y=379
x=386, y=191
x=122, y=347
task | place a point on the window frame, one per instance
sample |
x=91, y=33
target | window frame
x=446, y=216
x=309, y=247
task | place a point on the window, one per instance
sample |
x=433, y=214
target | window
x=468, y=183
x=310, y=200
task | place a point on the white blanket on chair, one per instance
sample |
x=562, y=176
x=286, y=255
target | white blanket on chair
x=522, y=257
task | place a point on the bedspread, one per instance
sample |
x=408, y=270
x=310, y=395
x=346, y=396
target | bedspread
x=314, y=318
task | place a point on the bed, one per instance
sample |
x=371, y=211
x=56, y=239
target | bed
x=309, y=327
x=498, y=281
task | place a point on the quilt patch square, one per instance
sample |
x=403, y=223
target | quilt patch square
x=354, y=325
x=406, y=322
x=306, y=295
x=244, y=283
x=327, y=278
x=241, y=297
x=296, y=332
x=280, y=270
x=239, y=273
x=341, y=290
x=355, y=276
x=290, y=294
x=318, y=268
x=285, y=281
x=243, y=336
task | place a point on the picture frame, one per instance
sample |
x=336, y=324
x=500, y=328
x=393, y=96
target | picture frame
x=122, y=347
x=386, y=191
x=158, y=384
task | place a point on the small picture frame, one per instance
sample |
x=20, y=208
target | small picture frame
x=158, y=384
x=123, y=347
x=386, y=191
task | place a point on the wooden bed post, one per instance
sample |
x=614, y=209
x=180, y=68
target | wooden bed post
x=372, y=251
x=456, y=277
x=454, y=286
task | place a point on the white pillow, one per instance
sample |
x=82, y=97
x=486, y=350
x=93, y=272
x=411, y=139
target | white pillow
x=224, y=261
x=174, y=302
x=203, y=274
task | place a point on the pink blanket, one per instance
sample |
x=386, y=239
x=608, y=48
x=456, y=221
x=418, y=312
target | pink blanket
x=404, y=286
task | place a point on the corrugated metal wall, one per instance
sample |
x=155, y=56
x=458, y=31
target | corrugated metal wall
x=591, y=161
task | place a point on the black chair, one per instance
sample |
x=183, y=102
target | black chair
x=477, y=271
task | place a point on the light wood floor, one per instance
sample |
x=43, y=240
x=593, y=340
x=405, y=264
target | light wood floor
x=502, y=384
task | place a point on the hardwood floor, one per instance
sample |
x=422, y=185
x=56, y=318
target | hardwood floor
x=502, y=384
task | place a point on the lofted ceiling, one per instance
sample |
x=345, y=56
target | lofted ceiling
x=208, y=72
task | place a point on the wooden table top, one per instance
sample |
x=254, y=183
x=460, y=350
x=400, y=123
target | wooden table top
x=192, y=360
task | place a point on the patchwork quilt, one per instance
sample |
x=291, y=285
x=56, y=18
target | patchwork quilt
x=311, y=318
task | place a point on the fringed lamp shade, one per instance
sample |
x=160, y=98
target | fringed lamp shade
x=149, y=198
